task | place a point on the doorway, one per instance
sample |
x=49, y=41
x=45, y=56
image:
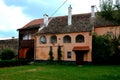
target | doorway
x=30, y=54
x=79, y=57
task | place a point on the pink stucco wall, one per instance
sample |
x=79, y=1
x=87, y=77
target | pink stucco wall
x=104, y=30
x=42, y=50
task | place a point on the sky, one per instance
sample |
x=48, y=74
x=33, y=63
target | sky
x=14, y=14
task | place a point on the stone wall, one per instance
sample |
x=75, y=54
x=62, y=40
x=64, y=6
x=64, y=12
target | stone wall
x=9, y=43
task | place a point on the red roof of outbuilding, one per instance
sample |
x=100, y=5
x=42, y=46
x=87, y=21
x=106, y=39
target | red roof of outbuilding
x=33, y=22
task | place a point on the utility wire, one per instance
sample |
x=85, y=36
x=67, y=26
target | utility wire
x=53, y=14
x=57, y=10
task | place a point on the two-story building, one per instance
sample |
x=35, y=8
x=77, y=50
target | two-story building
x=26, y=41
x=73, y=33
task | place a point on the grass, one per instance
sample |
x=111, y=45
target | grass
x=60, y=72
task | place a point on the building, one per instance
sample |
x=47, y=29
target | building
x=73, y=33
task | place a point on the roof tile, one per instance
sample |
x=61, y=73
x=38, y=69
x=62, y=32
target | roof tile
x=80, y=23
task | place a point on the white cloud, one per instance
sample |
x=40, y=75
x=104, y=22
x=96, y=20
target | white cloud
x=82, y=6
x=78, y=6
x=39, y=2
x=11, y=18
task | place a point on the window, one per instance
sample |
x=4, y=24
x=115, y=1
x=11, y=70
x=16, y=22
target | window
x=110, y=33
x=67, y=39
x=79, y=39
x=43, y=40
x=53, y=39
x=27, y=37
x=69, y=54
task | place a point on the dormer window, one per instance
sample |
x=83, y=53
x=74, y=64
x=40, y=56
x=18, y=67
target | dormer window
x=43, y=40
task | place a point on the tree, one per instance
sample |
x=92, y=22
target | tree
x=103, y=49
x=110, y=11
x=51, y=54
x=59, y=53
x=7, y=54
x=116, y=56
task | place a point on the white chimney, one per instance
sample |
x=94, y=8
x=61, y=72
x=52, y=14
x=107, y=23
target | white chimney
x=45, y=20
x=69, y=15
x=92, y=11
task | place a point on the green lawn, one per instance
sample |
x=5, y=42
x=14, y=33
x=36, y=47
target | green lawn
x=60, y=72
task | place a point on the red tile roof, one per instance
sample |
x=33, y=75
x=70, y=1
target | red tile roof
x=33, y=23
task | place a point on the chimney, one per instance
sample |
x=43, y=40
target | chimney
x=45, y=20
x=69, y=15
x=92, y=11
x=92, y=19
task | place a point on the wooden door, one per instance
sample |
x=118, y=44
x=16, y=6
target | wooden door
x=79, y=58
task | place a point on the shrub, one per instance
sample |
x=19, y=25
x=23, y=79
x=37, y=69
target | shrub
x=103, y=49
x=8, y=63
x=7, y=54
x=59, y=52
x=116, y=57
x=51, y=54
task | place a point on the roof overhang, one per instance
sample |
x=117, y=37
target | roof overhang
x=81, y=48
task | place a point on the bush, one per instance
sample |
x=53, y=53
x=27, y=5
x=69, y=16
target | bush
x=103, y=49
x=8, y=63
x=7, y=54
x=116, y=57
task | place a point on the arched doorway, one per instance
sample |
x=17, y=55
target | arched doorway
x=30, y=54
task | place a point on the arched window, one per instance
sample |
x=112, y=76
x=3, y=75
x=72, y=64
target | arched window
x=43, y=40
x=53, y=39
x=79, y=39
x=67, y=39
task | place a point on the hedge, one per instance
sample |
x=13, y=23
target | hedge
x=9, y=63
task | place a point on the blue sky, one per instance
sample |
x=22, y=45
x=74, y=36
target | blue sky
x=15, y=14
